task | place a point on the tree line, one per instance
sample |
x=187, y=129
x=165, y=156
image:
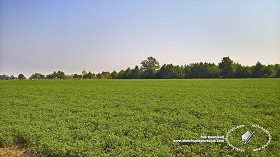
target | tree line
x=151, y=69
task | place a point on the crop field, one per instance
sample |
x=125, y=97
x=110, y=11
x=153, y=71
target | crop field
x=139, y=117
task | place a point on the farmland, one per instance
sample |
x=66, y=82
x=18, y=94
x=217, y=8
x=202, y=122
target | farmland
x=136, y=117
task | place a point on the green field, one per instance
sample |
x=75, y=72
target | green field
x=138, y=117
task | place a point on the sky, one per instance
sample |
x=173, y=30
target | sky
x=105, y=35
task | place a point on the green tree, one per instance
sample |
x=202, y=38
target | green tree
x=52, y=75
x=84, y=72
x=75, y=76
x=69, y=77
x=56, y=75
x=150, y=67
x=4, y=77
x=106, y=75
x=21, y=77
x=259, y=71
x=60, y=75
x=277, y=69
x=37, y=76
x=80, y=76
x=114, y=75
x=127, y=73
x=121, y=74
x=269, y=71
x=90, y=75
x=186, y=71
x=213, y=70
x=100, y=76
x=242, y=71
x=226, y=67
x=12, y=77
x=166, y=71
x=136, y=73
x=203, y=70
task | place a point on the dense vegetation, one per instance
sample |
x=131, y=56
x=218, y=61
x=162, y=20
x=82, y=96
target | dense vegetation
x=150, y=69
x=135, y=117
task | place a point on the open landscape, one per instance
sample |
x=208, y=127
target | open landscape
x=160, y=78
x=135, y=117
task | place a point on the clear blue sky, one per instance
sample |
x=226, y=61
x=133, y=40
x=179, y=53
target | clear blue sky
x=106, y=35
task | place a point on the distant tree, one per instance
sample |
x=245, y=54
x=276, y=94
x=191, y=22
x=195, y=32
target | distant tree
x=75, y=76
x=42, y=76
x=186, y=71
x=60, y=75
x=90, y=75
x=242, y=71
x=269, y=71
x=106, y=75
x=121, y=74
x=21, y=77
x=136, y=73
x=84, y=72
x=69, y=77
x=12, y=77
x=52, y=75
x=196, y=70
x=213, y=70
x=100, y=76
x=277, y=69
x=166, y=71
x=56, y=75
x=85, y=76
x=169, y=71
x=226, y=67
x=202, y=70
x=80, y=76
x=114, y=75
x=178, y=72
x=37, y=76
x=127, y=73
x=150, y=67
x=4, y=77
x=259, y=71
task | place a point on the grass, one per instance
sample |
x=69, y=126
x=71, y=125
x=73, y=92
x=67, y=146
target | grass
x=137, y=117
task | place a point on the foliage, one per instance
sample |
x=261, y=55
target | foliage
x=150, y=69
x=88, y=75
x=57, y=75
x=37, y=76
x=21, y=77
x=135, y=117
x=226, y=67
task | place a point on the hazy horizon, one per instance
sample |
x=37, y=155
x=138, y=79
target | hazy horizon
x=46, y=36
